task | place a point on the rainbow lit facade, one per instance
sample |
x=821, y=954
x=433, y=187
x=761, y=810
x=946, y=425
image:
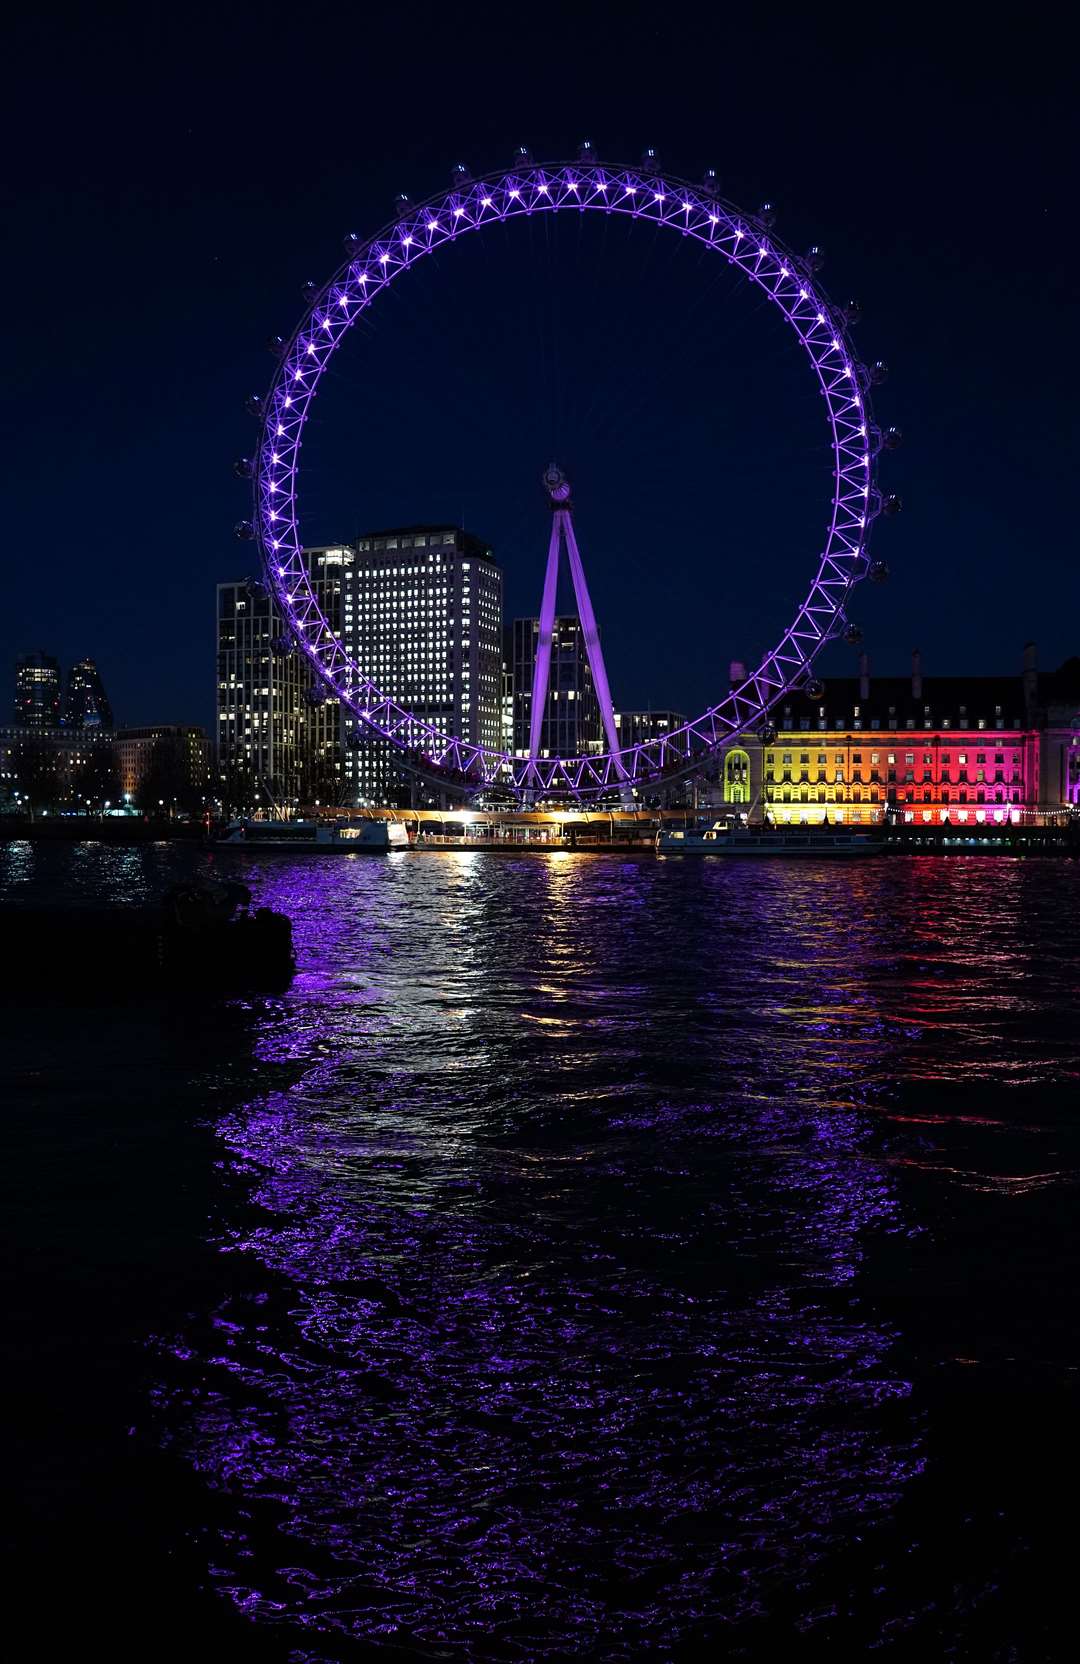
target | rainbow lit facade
x=956, y=751
x=746, y=243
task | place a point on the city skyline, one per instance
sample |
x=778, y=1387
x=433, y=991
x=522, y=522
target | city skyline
x=542, y=1098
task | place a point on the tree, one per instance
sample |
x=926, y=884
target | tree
x=166, y=784
x=319, y=781
x=236, y=788
x=99, y=779
x=37, y=772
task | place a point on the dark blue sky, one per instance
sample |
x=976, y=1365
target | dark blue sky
x=179, y=175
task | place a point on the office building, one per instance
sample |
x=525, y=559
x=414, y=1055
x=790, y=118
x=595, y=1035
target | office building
x=49, y=767
x=506, y=701
x=86, y=704
x=186, y=745
x=261, y=687
x=419, y=612
x=638, y=727
x=571, y=726
x=37, y=691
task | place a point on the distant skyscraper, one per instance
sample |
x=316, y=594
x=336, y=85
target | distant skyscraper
x=638, y=727
x=85, y=701
x=260, y=687
x=37, y=691
x=571, y=726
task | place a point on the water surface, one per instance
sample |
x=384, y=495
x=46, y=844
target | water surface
x=587, y=1257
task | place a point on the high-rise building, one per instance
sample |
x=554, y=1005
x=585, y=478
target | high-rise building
x=419, y=612
x=571, y=726
x=506, y=704
x=37, y=691
x=329, y=768
x=261, y=684
x=85, y=702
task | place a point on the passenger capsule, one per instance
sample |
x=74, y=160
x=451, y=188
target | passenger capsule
x=892, y=505
x=815, y=257
x=853, y=635
x=879, y=572
x=255, y=404
x=243, y=468
x=244, y=530
x=879, y=372
x=814, y=688
x=892, y=438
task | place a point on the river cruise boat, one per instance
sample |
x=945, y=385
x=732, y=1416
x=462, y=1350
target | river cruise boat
x=734, y=839
x=359, y=837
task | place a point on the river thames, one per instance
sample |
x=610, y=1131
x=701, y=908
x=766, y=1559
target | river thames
x=587, y=1257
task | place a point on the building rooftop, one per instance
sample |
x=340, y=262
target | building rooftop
x=468, y=542
x=1061, y=686
x=958, y=700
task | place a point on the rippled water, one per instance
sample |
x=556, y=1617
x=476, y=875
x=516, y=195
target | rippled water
x=588, y=1257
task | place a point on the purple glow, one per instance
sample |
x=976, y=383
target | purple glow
x=841, y=564
x=542, y=667
x=592, y=634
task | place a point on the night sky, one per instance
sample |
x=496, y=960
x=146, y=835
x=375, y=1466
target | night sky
x=178, y=176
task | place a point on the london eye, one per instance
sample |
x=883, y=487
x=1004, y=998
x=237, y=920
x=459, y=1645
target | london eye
x=747, y=242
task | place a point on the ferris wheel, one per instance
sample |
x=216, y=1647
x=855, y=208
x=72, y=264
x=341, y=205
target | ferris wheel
x=748, y=244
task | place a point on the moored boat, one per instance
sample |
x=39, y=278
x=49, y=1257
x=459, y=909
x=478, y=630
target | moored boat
x=732, y=838
x=359, y=837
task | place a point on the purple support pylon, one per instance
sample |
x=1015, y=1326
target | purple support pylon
x=542, y=668
x=562, y=530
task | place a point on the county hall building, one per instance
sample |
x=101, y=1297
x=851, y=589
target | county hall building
x=928, y=750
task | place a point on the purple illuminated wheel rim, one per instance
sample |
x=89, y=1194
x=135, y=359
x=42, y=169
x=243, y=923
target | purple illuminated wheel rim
x=745, y=243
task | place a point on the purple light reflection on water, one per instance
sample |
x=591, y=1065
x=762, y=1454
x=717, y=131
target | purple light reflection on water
x=752, y=1193
x=544, y=1339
